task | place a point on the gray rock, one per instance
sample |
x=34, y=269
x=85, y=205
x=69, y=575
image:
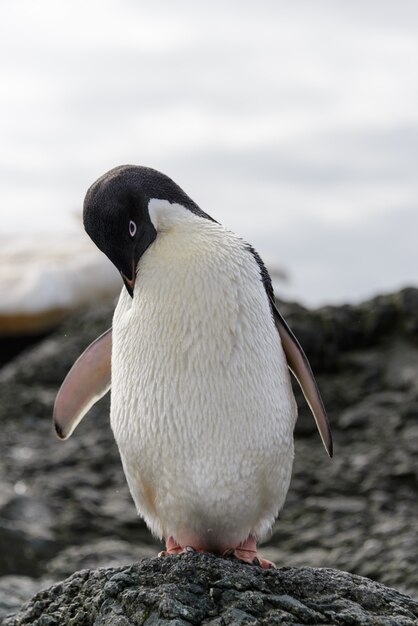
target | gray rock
x=66, y=506
x=15, y=590
x=100, y=553
x=197, y=589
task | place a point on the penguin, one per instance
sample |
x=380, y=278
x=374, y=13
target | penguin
x=198, y=361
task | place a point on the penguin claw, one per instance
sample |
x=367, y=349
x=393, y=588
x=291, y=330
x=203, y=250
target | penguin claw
x=172, y=547
x=246, y=552
x=264, y=563
x=229, y=552
x=249, y=558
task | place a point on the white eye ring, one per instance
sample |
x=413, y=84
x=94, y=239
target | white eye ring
x=132, y=228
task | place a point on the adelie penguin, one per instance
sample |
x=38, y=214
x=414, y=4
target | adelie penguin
x=198, y=360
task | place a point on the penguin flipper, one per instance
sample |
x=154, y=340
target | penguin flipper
x=300, y=367
x=87, y=381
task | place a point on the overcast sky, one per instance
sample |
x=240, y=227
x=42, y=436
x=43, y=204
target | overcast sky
x=293, y=123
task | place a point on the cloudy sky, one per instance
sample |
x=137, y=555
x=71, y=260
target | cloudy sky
x=293, y=123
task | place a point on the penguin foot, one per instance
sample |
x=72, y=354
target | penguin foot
x=247, y=553
x=172, y=547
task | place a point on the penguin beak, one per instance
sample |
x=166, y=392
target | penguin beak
x=148, y=235
x=130, y=282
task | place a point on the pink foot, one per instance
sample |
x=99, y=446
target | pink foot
x=247, y=552
x=172, y=547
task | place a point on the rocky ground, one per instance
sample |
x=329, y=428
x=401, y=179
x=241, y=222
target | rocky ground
x=202, y=589
x=65, y=506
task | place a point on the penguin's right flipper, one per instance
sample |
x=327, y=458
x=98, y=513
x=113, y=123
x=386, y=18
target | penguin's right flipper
x=300, y=367
x=87, y=381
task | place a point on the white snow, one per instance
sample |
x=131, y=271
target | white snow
x=46, y=272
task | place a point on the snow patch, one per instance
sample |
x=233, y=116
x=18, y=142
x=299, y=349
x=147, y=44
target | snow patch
x=40, y=273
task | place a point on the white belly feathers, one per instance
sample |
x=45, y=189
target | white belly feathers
x=202, y=407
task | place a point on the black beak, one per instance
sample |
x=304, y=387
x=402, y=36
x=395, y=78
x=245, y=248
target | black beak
x=148, y=234
x=130, y=282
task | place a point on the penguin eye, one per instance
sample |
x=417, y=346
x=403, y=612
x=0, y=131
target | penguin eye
x=132, y=228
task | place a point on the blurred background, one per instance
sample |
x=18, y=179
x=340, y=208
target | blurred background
x=295, y=124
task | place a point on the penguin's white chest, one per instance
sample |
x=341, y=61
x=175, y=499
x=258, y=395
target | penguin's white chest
x=202, y=407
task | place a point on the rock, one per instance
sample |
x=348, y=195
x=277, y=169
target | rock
x=197, y=588
x=66, y=505
x=100, y=553
x=15, y=590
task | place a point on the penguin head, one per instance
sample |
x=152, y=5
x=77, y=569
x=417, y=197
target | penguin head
x=116, y=214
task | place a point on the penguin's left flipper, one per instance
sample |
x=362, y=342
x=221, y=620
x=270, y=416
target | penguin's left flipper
x=87, y=381
x=299, y=366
